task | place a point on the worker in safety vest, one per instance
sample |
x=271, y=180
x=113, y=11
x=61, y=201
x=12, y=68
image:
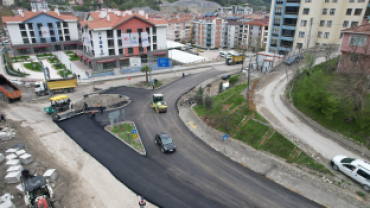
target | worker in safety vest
x=142, y=202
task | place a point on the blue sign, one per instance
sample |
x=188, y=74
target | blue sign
x=134, y=131
x=163, y=62
x=225, y=137
x=153, y=82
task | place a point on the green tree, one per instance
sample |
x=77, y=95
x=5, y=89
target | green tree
x=208, y=102
x=330, y=107
x=199, y=96
x=145, y=69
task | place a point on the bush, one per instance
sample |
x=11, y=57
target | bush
x=61, y=73
x=199, y=96
x=156, y=81
x=34, y=66
x=208, y=102
x=233, y=80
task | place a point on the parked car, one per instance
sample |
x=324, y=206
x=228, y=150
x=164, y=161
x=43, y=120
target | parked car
x=226, y=77
x=293, y=59
x=164, y=142
x=222, y=53
x=245, y=70
x=6, y=42
x=356, y=169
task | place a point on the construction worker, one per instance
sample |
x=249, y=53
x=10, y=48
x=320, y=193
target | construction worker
x=2, y=117
x=142, y=202
x=100, y=108
x=92, y=114
x=85, y=106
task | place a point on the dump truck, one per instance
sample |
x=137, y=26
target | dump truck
x=231, y=59
x=8, y=91
x=55, y=85
x=158, y=103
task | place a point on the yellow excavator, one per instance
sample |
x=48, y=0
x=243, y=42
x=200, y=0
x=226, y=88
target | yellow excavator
x=158, y=103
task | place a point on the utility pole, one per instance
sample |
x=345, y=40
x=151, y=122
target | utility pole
x=309, y=34
x=249, y=69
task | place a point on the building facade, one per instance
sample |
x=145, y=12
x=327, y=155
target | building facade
x=39, y=5
x=105, y=31
x=207, y=31
x=234, y=9
x=179, y=29
x=25, y=32
x=8, y=2
x=297, y=24
x=355, y=48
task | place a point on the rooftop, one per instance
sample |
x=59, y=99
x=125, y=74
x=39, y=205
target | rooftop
x=365, y=28
x=29, y=14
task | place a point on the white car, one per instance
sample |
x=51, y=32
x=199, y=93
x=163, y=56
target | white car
x=356, y=169
x=245, y=70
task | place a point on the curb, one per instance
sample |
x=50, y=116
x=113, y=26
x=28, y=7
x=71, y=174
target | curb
x=122, y=122
x=336, y=137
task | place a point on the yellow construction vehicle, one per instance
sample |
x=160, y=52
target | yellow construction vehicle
x=158, y=103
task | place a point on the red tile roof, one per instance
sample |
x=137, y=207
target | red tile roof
x=365, y=28
x=178, y=20
x=117, y=20
x=29, y=14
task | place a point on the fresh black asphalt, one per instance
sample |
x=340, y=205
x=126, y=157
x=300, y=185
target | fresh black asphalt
x=194, y=176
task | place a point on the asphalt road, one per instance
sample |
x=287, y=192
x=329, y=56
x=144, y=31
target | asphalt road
x=194, y=176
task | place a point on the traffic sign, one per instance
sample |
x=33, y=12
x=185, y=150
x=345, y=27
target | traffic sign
x=225, y=137
x=129, y=78
x=134, y=136
x=163, y=62
x=134, y=131
x=153, y=82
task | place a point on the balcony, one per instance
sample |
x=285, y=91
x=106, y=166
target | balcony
x=279, y=2
x=276, y=23
x=275, y=35
x=273, y=44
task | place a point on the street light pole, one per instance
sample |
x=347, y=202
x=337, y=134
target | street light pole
x=46, y=80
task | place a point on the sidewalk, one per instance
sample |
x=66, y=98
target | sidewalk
x=270, y=166
x=64, y=58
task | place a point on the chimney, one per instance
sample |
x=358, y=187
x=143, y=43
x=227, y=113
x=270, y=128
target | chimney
x=44, y=10
x=33, y=10
x=141, y=12
x=58, y=13
x=108, y=18
x=56, y=9
x=123, y=14
x=146, y=16
x=21, y=13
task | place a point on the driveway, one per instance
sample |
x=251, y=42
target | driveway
x=194, y=176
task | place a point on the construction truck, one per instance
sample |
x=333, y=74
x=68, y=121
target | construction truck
x=158, y=103
x=38, y=194
x=55, y=85
x=8, y=91
x=60, y=108
x=231, y=59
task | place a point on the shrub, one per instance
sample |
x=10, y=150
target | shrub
x=199, y=96
x=233, y=80
x=208, y=102
x=220, y=88
x=156, y=81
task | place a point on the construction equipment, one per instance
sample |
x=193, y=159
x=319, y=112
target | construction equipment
x=8, y=91
x=59, y=104
x=38, y=193
x=231, y=59
x=55, y=85
x=158, y=103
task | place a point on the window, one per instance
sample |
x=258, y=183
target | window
x=109, y=33
x=52, y=32
x=128, y=31
x=30, y=26
x=354, y=24
x=22, y=26
x=154, y=39
x=327, y=35
x=361, y=1
x=332, y=11
x=68, y=38
x=120, y=51
x=42, y=40
x=301, y=34
x=350, y=167
x=353, y=57
x=319, y=34
x=324, y=11
x=154, y=30
x=327, y=1
x=341, y=35
x=110, y=43
x=349, y=12
x=111, y=52
x=32, y=34
x=120, y=43
x=335, y=1
x=50, y=25
x=24, y=34
x=147, y=30
x=154, y=46
x=299, y=45
x=357, y=40
x=58, y=24
x=345, y=24
x=130, y=51
x=34, y=40
x=148, y=48
x=322, y=23
x=303, y=23
x=308, y=1
x=39, y=25
x=53, y=39
x=141, y=50
x=125, y=63
x=66, y=31
x=363, y=174
x=358, y=12
x=65, y=24
x=352, y=1
x=329, y=23
x=119, y=33
x=139, y=31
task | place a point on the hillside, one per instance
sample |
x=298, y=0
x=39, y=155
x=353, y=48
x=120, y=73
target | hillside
x=253, y=3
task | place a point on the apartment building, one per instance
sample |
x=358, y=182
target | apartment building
x=206, y=31
x=291, y=28
x=234, y=9
x=39, y=5
x=8, y=2
x=103, y=35
x=25, y=31
x=252, y=32
x=179, y=29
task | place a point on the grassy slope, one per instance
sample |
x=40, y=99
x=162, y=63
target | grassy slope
x=253, y=133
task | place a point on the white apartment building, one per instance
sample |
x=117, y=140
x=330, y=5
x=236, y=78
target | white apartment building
x=291, y=28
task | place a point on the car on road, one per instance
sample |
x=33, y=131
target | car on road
x=293, y=59
x=356, y=169
x=164, y=142
x=225, y=77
